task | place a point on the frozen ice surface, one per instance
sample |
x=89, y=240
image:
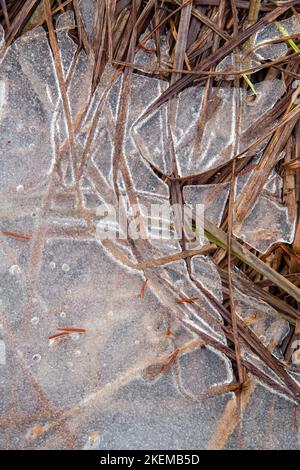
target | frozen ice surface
x=276, y=433
x=28, y=89
x=261, y=318
x=216, y=146
x=272, y=32
x=87, y=11
x=263, y=47
x=270, y=220
x=213, y=197
x=137, y=376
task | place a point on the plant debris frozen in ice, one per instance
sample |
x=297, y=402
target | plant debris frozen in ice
x=151, y=336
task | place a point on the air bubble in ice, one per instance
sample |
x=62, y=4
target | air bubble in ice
x=75, y=336
x=36, y=357
x=15, y=269
x=65, y=267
